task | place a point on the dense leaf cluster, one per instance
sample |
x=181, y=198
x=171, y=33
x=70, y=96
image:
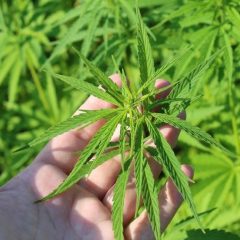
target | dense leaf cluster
x=134, y=115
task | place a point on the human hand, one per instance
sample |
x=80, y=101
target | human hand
x=84, y=211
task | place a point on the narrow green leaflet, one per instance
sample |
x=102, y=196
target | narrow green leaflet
x=150, y=199
x=91, y=31
x=125, y=88
x=228, y=56
x=8, y=64
x=146, y=63
x=201, y=42
x=159, y=72
x=72, y=32
x=80, y=121
x=184, y=85
x=83, y=9
x=118, y=204
x=14, y=80
x=185, y=9
x=176, y=108
x=170, y=163
x=3, y=26
x=103, y=135
x=87, y=87
x=65, y=40
x=122, y=140
x=190, y=220
x=51, y=94
x=104, y=80
x=193, y=131
x=106, y=139
x=138, y=161
x=160, y=102
x=234, y=16
x=88, y=167
x=126, y=7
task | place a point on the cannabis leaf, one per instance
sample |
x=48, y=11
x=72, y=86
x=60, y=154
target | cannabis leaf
x=101, y=138
x=134, y=114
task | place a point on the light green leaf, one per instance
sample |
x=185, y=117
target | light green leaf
x=79, y=121
x=108, y=135
x=91, y=31
x=145, y=57
x=202, y=44
x=105, y=81
x=234, y=16
x=122, y=140
x=167, y=158
x=118, y=204
x=67, y=39
x=183, y=10
x=88, y=167
x=7, y=64
x=71, y=34
x=150, y=199
x=159, y=72
x=126, y=92
x=183, y=86
x=52, y=96
x=77, y=11
x=191, y=130
x=87, y=87
x=14, y=80
x=161, y=102
x=138, y=161
x=126, y=6
x=228, y=53
x=102, y=136
x=189, y=220
x=222, y=190
x=236, y=185
x=3, y=26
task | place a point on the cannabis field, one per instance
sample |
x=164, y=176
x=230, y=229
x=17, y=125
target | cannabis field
x=41, y=39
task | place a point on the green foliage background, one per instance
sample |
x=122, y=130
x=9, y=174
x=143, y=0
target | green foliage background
x=39, y=33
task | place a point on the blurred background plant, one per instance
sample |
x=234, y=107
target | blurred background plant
x=38, y=34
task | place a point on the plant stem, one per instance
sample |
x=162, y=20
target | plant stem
x=234, y=121
x=38, y=86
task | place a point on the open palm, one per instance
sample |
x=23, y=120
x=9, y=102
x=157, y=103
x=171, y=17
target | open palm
x=84, y=211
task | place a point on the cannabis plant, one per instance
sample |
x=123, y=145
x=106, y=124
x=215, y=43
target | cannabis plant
x=139, y=123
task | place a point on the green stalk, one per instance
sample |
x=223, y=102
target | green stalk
x=234, y=120
x=38, y=86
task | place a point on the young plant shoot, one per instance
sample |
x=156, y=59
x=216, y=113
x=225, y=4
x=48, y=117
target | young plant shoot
x=138, y=124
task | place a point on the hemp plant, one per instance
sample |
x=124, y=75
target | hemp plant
x=134, y=112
